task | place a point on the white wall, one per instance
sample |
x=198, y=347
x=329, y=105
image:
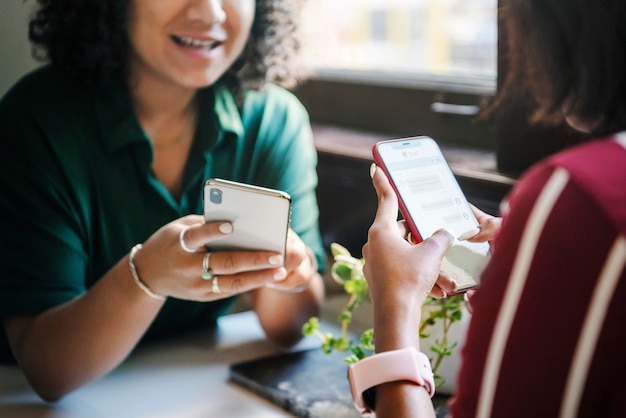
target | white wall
x=15, y=56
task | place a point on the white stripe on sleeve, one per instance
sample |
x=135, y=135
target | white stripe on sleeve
x=588, y=338
x=523, y=260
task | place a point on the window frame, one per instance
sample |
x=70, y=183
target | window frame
x=402, y=106
x=395, y=105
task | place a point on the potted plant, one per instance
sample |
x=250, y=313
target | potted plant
x=442, y=328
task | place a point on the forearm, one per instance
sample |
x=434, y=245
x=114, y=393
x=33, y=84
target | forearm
x=397, y=327
x=72, y=344
x=282, y=315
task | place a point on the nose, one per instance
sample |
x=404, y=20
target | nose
x=207, y=11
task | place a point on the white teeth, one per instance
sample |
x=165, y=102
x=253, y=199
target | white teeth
x=195, y=43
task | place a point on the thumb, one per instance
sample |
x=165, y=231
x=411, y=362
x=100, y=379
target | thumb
x=438, y=243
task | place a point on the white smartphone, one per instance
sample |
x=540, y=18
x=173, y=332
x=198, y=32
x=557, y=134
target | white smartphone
x=430, y=198
x=260, y=216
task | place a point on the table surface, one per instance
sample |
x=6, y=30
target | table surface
x=185, y=377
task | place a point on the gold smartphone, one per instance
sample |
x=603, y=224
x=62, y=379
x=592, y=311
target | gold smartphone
x=260, y=216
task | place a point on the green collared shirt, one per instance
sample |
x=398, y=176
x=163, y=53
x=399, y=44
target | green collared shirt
x=77, y=190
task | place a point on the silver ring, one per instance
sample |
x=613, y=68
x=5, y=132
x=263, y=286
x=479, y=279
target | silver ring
x=181, y=240
x=215, y=286
x=207, y=274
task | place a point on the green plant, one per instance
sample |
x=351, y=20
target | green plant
x=348, y=272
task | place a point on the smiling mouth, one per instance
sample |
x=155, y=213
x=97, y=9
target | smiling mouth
x=196, y=43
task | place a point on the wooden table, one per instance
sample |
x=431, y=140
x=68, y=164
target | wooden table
x=186, y=377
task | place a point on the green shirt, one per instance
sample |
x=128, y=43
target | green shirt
x=77, y=190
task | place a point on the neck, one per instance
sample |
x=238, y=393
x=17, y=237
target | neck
x=167, y=115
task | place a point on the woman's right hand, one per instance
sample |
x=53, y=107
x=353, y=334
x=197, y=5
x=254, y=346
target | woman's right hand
x=170, y=270
x=397, y=271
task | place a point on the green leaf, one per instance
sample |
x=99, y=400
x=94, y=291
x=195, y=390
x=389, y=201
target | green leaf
x=367, y=339
x=356, y=286
x=310, y=326
x=341, y=272
x=345, y=316
x=456, y=315
x=348, y=271
x=336, y=249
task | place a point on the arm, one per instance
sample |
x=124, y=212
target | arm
x=66, y=346
x=399, y=275
x=71, y=344
x=284, y=307
x=289, y=164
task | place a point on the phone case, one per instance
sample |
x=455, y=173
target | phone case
x=430, y=189
x=260, y=216
x=417, y=237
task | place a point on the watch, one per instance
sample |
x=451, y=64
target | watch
x=389, y=366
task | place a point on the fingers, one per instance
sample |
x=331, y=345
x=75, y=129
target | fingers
x=233, y=262
x=437, y=244
x=437, y=292
x=215, y=275
x=468, y=297
x=387, y=202
x=403, y=228
x=479, y=214
x=489, y=229
x=486, y=231
x=195, y=236
x=443, y=286
x=241, y=282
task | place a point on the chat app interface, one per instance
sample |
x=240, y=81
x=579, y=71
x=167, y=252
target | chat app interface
x=434, y=200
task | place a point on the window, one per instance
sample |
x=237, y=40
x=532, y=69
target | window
x=394, y=68
x=440, y=38
x=402, y=67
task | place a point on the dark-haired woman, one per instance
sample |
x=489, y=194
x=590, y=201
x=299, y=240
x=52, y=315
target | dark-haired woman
x=546, y=337
x=108, y=147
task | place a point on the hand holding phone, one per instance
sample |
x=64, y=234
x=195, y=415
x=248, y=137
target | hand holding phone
x=260, y=216
x=430, y=198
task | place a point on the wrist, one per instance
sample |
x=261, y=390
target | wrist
x=143, y=286
x=407, y=365
x=396, y=327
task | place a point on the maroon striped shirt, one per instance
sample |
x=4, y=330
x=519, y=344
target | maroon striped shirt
x=548, y=331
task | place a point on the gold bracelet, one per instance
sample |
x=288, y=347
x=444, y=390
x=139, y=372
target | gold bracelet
x=133, y=271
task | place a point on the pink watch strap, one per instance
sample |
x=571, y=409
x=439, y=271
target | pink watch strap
x=389, y=366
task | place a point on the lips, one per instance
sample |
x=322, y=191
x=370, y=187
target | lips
x=190, y=42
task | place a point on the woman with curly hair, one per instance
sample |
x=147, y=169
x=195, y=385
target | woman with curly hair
x=109, y=145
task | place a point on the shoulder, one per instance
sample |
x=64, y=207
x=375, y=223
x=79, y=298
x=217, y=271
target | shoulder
x=274, y=101
x=594, y=173
x=42, y=97
x=37, y=85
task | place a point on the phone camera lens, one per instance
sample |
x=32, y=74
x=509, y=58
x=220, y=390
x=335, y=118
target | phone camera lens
x=215, y=196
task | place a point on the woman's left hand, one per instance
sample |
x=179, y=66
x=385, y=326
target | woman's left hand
x=300, y=263
x=487, y=230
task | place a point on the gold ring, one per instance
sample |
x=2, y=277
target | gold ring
x=215, y=286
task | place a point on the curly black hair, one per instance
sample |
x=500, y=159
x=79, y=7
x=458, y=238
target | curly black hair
x=87, y=41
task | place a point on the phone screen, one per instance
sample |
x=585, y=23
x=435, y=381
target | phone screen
x=430, y=198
